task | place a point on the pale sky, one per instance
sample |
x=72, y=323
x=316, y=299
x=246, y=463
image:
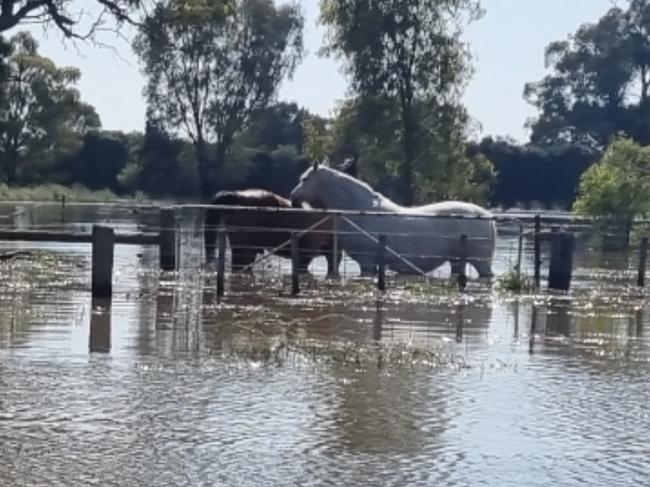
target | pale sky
x=508, y=45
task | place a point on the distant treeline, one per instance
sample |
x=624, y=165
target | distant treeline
x=213, y=121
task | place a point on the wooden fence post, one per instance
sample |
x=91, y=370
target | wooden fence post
x=381, y=264
x=221, y=261
x=462, y=263
x=643, y=253
x=99, y=339
x=538, y=250
x=335, y=247
x=561, y=265
x=103, y=242
x=167, y=239
x=520, y=250
x=295, y=262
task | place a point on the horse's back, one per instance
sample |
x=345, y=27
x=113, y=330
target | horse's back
x=450, y=208
x=250, y=197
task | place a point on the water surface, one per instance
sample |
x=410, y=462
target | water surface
x=166, y=386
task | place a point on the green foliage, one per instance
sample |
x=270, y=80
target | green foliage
x=365, y=127
x=54, y=192
x=100, y=160
x=63, y=15
x=514, y=281
x=318, y=138
x=163, y=166
x=534, y=176
x=618, y=186
x=212, y=64
x=41, y=115
x=600, y=82
x=410, y=54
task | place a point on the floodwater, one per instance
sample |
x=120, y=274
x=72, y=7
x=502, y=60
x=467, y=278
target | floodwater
x=427, y=386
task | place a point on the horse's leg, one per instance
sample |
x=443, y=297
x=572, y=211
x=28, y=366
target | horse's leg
x=333, y=262
x=483, y=268
x=210, y=235
x=304, y=259
x=368, y=266
x=242, y=258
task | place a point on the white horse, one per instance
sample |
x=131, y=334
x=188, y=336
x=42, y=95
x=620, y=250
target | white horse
x=412, y=233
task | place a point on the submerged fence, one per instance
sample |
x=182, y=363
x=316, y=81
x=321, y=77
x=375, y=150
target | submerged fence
x=300, y=235
x=382, y=242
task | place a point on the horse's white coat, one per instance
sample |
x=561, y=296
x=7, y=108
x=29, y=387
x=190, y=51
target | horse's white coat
x=426, y=242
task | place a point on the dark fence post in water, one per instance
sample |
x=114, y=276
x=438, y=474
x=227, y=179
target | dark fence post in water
x=103, y=241
x=462, y=263
x=335, y=246
x=295, y=262
x=520, y=249
x=221, y=261
x=381, y=263
x=643, y=253
x=167, y=239
x=561, y=265
x=538, y=250
x=100, y=325
x=63, y=208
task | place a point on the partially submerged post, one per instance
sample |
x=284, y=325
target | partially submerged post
x=295, y=263
x=63, y=208
x=462, y=263
x=335, y=246
x=103, y=242
x=643, y=253
x=520, y=250
x=167, y=239
x=561, y=265
x=381, y=263
x=99, y=339
x=221, y=261
x=538, y=250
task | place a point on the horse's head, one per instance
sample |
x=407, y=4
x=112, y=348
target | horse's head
x=308, y=188
x=323, y=187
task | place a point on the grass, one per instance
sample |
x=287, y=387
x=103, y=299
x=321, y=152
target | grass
x=514, y=281
x=55, y=192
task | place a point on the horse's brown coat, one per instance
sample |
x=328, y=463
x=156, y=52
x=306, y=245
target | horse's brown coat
x=252, y=232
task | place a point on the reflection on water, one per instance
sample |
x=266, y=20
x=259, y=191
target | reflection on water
x=166, y=386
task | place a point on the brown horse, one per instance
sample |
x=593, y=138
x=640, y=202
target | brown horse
x=252, y=232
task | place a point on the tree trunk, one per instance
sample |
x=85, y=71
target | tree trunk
x=11, y=166
x=204, y=169
x=409, y=146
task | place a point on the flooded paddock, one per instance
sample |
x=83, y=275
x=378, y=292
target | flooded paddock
x=427, y=386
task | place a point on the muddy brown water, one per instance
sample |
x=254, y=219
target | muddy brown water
x=432, y=387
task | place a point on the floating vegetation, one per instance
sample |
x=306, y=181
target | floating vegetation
x=514, y=281
x=441, y=287
x=275, y=351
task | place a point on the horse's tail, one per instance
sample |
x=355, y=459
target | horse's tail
x=493, y=237
x=210, y=222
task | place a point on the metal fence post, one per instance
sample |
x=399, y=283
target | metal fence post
x=381, y=263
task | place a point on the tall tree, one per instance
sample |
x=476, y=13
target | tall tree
x=41, y=115
x=365, y=128
x=63, y=15
x=600, y=82
x=617, y=188
x=210, y=68
x=405, y=50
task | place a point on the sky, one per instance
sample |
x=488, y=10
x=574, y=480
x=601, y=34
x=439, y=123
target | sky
x=507, y=44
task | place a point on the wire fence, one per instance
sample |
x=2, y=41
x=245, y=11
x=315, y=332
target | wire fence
x=414, y=250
